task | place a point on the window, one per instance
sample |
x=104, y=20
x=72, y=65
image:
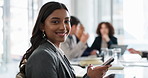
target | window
x=19, y=27
x=1, y=30
x=135, y=23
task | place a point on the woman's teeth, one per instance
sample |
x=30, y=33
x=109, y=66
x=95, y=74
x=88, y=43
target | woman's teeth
x=61, y=33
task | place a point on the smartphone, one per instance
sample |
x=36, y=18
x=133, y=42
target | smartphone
x=109, y=61
x=115, y=76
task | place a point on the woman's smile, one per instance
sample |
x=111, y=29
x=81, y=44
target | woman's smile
x=61, y=33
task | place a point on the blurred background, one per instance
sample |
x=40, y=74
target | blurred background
x=17, y=18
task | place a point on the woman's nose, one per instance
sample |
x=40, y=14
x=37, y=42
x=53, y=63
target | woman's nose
x=63, y=27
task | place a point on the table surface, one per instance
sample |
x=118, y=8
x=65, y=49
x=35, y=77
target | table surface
x=132, y=69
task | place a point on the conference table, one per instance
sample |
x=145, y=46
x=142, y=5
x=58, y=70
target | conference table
x=131, y=66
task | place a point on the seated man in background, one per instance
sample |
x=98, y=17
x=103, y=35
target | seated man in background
x=71, y=47
x=79, y=31
x=142, y=53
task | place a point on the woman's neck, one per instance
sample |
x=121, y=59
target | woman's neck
x=57, y=44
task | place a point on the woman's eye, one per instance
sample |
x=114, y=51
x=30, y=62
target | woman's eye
x=55, y=22
x=67, y=21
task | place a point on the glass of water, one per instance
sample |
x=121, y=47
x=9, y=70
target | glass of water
x=105, y=53
x=117, y=53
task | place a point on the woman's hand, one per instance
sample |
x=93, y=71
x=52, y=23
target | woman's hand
x=97, y=72
x=106, y=37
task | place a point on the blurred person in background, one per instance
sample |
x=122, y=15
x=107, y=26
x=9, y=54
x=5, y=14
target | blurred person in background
x=79, y=31
x=45, y=59
x=72, y=47
x=142, y=53
x=88, y=51
x=105, y=38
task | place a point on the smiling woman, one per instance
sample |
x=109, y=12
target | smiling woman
x=44, y=59
x=57, y=26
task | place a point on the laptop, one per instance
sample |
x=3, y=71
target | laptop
x=123, y=47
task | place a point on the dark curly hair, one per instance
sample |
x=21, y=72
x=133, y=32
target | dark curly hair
x=108, y=25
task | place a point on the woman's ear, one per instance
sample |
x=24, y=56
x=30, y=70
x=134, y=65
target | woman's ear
x=42, y=27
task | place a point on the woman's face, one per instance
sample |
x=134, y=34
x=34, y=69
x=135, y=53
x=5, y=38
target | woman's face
x=57, y=26
x=104, y=30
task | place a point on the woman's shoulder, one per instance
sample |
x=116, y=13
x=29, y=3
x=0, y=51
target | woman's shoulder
x=113, y=37
x=40, y=57
x=98, y=37
x=43, y=51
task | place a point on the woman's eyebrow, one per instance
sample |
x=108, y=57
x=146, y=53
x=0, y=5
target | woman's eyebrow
x=67, y=17
x=59, y=18
x=55, y=18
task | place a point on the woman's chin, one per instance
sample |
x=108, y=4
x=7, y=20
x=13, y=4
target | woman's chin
x=62, y=40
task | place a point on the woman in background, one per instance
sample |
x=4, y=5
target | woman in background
x=105, y=38
x=44, y=59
